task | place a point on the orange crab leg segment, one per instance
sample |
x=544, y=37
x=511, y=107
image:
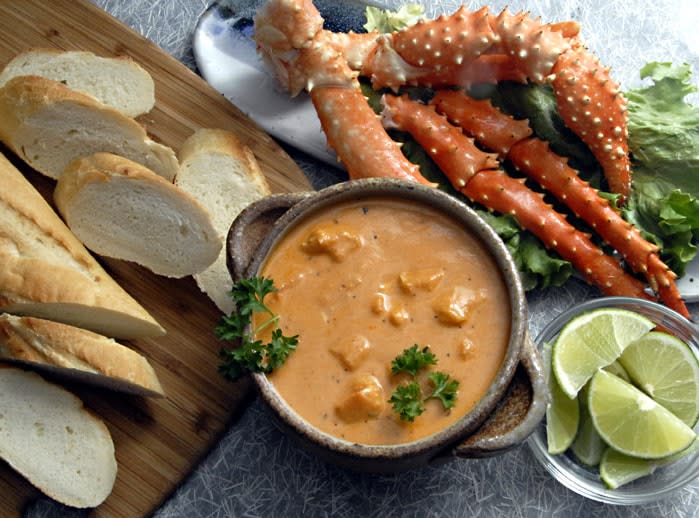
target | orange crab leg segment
x=498, y=131
x=355, y=133
x=479, y=118
x=457, y=156
x=535, y=158
x=504, y=194
x=447, y=40
x=473, y=172
x=591, y=105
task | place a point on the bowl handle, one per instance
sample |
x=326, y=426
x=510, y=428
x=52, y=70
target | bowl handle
x=518, y=413
x=252, y=226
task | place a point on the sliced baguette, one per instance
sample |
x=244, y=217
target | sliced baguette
x=120, y=83
x=76, y=354
x=48, y=436
x=49, y=125
x=120, y=209
x=224, y=176
x=47, y=273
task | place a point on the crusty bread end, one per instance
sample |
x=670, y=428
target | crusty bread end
x=46, y=272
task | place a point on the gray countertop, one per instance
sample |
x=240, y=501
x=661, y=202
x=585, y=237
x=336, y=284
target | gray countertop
x=256, y=470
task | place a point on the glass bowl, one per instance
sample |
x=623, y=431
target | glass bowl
x=585, y=480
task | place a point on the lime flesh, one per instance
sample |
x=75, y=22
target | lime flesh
x=588, y=446
x=591, y=341
x=562, y=417
x=631, y=422
x=617, y=469
x=562, y=413
x=667, y=370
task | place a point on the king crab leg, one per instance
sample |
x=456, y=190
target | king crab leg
x=459, y=50
x=500, y=132
x=472, y=172
x=364, y=147
x=453, y=50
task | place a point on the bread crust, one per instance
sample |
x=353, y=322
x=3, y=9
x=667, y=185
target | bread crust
x=69, y=118
x=223, y=174
x=48, y=273
x=76, y=354
x=147, y=220
x=134, y=91
x=212, y=140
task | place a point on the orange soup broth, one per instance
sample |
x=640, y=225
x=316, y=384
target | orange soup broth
x=330, y=301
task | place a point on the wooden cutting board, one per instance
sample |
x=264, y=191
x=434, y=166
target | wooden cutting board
x=157, y=441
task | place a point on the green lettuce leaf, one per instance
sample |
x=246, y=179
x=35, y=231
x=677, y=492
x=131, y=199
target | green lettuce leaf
x=383, y=21
x=537, y=103
x=664, y=143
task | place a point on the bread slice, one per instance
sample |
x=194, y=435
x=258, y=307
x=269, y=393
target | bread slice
x=49, y=125
x=76, y=354
x=120, y=83
x=47, y=273
x=48, y=436
x=224, y=176
x=120, y=209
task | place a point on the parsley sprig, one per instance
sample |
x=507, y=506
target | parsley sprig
x=407, y=400
x=252, y=355
x=413, y=360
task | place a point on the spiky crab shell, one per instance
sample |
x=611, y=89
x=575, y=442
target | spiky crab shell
x=284, y=25
x=355, y=133
x=478, y=117
x=447, y=40
x=591, y=104
x=533, y=46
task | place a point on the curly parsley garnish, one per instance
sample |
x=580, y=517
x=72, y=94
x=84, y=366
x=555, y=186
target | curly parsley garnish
x=445, y=388
x=252, y=355
x=413, y=360
x=407, y=399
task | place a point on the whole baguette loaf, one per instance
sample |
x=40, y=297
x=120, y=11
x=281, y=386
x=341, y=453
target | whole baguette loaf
x=48, y=436
x=120, y=83
x=76, y=354
x=49, y=125
x=47, y=273
x=224, y=176
x=120, y=209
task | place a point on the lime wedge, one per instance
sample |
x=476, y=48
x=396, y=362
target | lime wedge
x=562, y=412
x=591, y=341
x=617, y=469
x=618, y=370
x=588, y=446
x=666, y=369
x=613, y=368
x=631, y=422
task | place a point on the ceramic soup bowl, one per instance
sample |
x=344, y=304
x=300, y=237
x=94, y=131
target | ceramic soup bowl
x=502, y=417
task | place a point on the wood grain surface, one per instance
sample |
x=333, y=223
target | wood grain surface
x=157, y=441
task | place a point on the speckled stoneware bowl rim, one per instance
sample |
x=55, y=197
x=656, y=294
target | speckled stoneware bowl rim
x=308, y=203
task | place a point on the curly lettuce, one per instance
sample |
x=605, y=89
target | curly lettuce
x=382, y=20
x=664, y=144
